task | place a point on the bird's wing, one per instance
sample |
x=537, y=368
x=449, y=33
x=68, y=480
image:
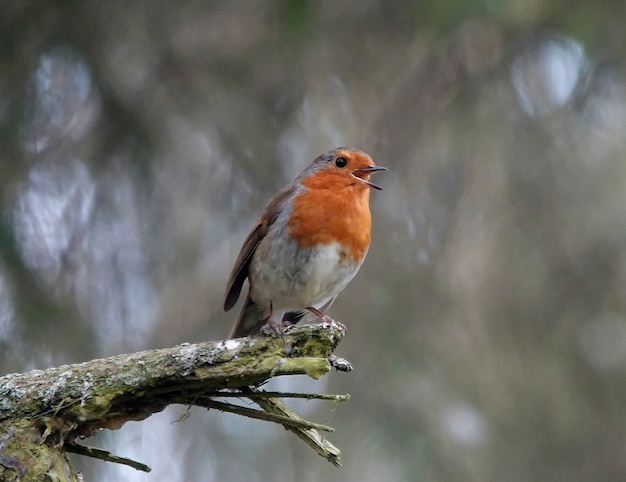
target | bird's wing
x=240, y=270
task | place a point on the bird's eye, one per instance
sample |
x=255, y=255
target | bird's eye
x=341, y=162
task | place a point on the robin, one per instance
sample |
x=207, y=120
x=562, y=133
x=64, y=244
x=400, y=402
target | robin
x=308, y=244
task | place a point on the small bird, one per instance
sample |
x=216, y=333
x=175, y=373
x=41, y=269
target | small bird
x=308, y=244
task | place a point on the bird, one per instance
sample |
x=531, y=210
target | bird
x=308, y=244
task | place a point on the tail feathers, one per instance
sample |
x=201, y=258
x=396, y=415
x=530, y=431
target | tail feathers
x=250, y=320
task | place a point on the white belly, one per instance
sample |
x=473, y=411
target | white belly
x=296, y=278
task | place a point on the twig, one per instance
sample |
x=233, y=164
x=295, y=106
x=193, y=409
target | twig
x=105, y=455
x=309, y=436
x=284, y=420
x=307, y=396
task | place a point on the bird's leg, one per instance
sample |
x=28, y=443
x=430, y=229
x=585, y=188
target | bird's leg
x=271, y=325
x=326, y=320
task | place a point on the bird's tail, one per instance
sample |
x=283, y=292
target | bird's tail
x=250, y=320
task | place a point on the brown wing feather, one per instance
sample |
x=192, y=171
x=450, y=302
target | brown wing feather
x=240, y=270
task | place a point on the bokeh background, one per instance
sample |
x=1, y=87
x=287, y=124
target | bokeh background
x=140, y=140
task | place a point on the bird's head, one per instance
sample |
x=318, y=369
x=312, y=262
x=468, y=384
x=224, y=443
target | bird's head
x=341, y=167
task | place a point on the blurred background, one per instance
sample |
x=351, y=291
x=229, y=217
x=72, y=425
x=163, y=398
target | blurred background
x=140, y=140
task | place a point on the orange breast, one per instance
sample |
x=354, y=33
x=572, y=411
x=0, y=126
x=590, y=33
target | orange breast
x=333, y=209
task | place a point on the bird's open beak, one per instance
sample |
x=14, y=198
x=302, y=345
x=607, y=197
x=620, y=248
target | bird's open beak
x=363, y=175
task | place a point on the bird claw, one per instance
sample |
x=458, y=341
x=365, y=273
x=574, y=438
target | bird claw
x=328, y=322
x=271, y=328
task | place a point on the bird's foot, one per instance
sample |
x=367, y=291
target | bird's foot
x=327, y=321
x=272, y=327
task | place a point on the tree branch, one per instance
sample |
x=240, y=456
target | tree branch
x=53, y=407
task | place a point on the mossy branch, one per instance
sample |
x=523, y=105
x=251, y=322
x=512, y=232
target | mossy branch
x=44, y=410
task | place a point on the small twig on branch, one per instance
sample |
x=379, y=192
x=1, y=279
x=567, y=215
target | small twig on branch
x=309, y=436
x=258, y=414
x=105, y=455
x=307, y=396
